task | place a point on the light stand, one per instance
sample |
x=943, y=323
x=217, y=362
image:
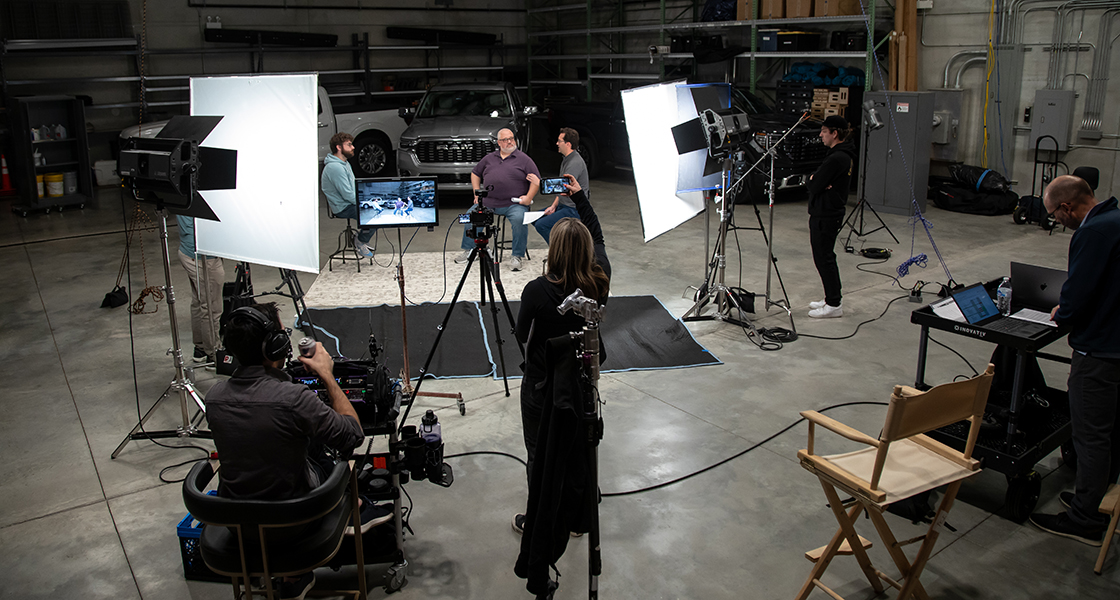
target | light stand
x=406, y=378
x=181, y=384
x=870, y=122
x=714, y=286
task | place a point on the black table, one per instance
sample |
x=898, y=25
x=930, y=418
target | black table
x=1012, y=449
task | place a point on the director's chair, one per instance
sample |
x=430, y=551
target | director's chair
x=901, y=463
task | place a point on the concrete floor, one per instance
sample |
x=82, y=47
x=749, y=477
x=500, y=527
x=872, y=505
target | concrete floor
x=76, y=524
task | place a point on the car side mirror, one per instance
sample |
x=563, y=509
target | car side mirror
x=406, y=112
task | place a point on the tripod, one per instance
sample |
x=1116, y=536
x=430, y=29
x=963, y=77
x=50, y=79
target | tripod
x=850, y=222
x=181, y=384
x=489, y=280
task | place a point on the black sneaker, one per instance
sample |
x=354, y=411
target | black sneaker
x=200, y=355
x=372, y=516
x=519, y=523
x=1061, y=524
x=1066, y=499
x=296, y=590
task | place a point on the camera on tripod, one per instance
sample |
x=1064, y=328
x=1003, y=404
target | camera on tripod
x=480, y=223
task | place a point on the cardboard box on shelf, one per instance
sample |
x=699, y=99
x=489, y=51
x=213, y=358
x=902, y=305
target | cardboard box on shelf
x=799, y=8
x=836, y=8
x=772, y=9
x=744, y=10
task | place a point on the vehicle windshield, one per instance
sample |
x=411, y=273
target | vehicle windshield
x=748, y=102
x=465, y=103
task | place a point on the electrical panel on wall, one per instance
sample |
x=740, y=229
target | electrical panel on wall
x=1052, y=116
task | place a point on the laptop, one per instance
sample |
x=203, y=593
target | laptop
x=1035, y=291
x=978, y=309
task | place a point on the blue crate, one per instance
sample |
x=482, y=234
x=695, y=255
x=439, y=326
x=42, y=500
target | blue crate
x=190, y=530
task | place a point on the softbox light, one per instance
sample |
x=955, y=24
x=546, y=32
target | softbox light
x=670, y=185
x=272, y=217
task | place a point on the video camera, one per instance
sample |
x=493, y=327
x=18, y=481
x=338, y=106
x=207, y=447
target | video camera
x=480, y=223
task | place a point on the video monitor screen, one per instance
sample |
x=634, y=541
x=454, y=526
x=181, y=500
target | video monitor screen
x=398, y=202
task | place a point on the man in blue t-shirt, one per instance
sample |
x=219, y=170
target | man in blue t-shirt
x=340, y=190
x=502, y=174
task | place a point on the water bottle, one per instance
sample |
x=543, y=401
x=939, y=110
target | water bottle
x=429, y=428
x=433, y=460
x=1003, y=296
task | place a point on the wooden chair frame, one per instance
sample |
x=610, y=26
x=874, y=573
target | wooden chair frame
x=1110, y=505
x=910, y=415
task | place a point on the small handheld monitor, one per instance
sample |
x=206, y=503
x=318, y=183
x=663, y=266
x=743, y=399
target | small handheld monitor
x=554, y=185
x=397, y=202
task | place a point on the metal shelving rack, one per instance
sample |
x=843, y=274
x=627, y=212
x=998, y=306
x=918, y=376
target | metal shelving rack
x=363, y=72
x=543, y=42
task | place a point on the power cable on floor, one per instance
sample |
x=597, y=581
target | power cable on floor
x=852, y=334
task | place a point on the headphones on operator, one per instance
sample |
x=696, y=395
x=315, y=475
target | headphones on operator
x=276, y=344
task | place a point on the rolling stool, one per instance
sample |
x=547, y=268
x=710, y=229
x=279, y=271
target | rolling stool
x=502, y=243
x=345, y=246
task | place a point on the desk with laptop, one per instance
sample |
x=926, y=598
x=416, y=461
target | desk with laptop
x=1014, y=449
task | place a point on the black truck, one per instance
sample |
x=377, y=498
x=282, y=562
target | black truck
x=604, y=141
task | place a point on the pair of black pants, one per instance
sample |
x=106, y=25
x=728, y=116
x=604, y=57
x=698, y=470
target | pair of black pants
x=822, y=238
x=532, y=409
x=1094, y=395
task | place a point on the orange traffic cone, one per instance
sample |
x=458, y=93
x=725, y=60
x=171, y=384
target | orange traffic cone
x=6, y=188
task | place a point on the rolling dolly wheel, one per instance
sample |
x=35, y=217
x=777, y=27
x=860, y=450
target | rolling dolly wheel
x=1022, y=495
x=1069, y=455
x=1019, y=216
x=395, y=578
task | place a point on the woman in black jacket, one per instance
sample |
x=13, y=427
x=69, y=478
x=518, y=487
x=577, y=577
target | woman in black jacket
x=571, y=264
x=828, y=195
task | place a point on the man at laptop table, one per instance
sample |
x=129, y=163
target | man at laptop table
x=1088, y=305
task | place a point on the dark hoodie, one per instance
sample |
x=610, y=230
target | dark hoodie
x=835, y=171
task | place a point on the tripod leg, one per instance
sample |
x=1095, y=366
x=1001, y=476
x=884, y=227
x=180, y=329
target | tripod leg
x=489, y=289
x=509, y=313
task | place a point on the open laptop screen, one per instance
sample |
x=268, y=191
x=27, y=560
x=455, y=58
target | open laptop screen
x=975, y=304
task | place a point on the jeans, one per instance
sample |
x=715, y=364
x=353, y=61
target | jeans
x=822, y=238
x=351, y=212
x=544, y=224
x=515, y=214
x=1094, y=392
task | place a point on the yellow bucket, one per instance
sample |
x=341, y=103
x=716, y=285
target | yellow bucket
x=55, y=186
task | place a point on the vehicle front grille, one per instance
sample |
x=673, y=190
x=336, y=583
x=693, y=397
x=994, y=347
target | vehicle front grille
x=453, y=151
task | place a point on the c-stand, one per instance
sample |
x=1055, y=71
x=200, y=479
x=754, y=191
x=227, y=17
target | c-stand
x=489, y=280
x=588, y=339
x=714, y=286
x=181, y=384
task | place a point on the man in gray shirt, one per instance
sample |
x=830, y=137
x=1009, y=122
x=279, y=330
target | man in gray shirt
x=572, y=164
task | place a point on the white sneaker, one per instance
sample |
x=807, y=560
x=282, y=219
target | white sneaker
x=363, y=250
x=817, y=304
x=462, y=258
x=515, y=263
x=827, y=312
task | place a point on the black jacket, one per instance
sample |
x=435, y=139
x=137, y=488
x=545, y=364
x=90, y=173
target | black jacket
x=835, y=171
x=1092, y=290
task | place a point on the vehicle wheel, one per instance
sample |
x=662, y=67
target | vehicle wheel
x=588, y=149
x=1069, y=455
x=1019, y=216
x=1047, y=223
x=1022, y=495
x=372, y=155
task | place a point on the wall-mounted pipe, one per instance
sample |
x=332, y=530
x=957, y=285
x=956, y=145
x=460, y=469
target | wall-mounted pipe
x=965, y=65
x=949, y=63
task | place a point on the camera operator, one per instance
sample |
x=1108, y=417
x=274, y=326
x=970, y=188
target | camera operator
x=271, y=434
x=507, y=193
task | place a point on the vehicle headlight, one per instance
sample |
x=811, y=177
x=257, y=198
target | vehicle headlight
x=409, y=142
